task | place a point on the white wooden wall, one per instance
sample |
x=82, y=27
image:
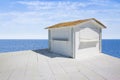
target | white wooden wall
x=60, y=41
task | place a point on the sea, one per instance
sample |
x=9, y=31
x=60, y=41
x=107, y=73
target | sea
x=109, y=46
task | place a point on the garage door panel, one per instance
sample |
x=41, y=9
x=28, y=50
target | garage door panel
x=88, y=34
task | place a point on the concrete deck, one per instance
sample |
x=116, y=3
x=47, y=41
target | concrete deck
x=43, y=65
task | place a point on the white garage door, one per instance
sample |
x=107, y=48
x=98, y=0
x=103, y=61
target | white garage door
x=88, y=41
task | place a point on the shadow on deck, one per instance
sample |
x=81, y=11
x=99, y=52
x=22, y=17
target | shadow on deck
x=49, y=54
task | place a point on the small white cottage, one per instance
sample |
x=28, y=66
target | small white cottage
x=76, y=37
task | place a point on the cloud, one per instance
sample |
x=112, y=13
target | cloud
x=102, y=1
x=67, y=5
x=40, y=14
x=56, y=10
x=39, y=5
x=23, y=23
x=52, y=12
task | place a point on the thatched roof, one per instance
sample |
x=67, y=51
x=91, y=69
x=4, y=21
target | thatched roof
x=72, y=23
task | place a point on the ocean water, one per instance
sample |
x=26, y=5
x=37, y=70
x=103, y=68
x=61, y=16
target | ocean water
x=19, y=45
x=109, y=46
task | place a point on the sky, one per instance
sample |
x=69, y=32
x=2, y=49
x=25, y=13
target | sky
x=26, y=19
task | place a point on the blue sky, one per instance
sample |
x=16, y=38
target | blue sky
x=26, y=19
